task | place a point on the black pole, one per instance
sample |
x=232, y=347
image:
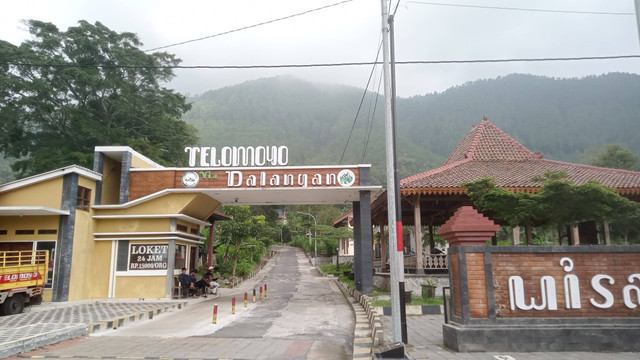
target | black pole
x=403, y=311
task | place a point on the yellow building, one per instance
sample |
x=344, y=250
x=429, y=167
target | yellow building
x=102, y=243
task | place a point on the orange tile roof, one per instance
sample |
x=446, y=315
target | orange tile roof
x=486, y=151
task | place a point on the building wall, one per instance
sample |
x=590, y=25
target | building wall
x=132, y=225
x=139, y=163
x=134, y=287
x=90, y=261
x=45, y=193
x=111, y=181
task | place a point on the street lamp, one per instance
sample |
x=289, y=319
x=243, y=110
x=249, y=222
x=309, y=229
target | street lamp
x=315, y=234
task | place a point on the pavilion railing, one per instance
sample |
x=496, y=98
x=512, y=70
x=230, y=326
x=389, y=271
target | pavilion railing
x=430, y=262
x=435, y=261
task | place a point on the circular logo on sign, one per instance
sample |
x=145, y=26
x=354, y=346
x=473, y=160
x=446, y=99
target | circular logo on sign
x=346, y=177
x=190, y=179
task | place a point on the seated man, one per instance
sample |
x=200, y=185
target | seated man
x=213, y=285
x=192, y=283
x=201, y=286
x=185, y=282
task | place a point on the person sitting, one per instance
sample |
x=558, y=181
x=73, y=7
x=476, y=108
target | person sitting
x=185, y=282
x=213, y=285
x=192, y=282
x=201, y=287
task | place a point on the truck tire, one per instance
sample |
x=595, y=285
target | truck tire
x=13, y=305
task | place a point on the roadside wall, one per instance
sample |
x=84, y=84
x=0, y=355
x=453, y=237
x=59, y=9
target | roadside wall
x=542, y=298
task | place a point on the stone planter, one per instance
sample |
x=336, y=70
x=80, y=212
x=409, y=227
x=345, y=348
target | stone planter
x=428, y=291
x=407, y=297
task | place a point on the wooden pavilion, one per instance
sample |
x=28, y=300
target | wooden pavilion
x=430, y=198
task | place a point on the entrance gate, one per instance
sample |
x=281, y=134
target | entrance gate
x=207, y=187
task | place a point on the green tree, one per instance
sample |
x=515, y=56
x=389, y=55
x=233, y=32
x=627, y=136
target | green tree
x=240, y=233
x=558, y=202
x=516, y=209
x=64, y=92
x=614, y=156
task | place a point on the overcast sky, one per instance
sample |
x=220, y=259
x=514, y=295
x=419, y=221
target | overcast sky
x=350, y=32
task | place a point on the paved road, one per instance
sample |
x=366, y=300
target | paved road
x=305, y=316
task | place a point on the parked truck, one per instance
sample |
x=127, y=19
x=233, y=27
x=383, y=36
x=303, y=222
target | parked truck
x=22, y=278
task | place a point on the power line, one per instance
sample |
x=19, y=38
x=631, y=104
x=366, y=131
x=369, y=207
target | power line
x=523, y=9
x=249, y=26
x=372, y=118
x=312, y=65
x=364, y=94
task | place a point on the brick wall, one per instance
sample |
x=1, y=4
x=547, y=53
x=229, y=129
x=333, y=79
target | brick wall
x=531, y=267
x=477, y=285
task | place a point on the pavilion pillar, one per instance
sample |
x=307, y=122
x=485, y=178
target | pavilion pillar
x=384, y=242
x=432, y=240
x=528, y=233
x=607, y=233
x=575, y=233
x=515, y=235
x=417, y=224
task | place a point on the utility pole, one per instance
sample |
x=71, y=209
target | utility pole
x=396, y=246
x=637, y=3
x=315, y=236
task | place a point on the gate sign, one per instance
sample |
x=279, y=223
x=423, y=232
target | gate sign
x=269, y=178
x=148, y=257
x=233, y=156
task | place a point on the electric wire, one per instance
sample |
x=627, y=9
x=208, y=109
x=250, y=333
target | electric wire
x=312, y=65
x=375, y=106
x=396, y=9
x=522, y=9
x=364, y=94
x=249, y=26
x=370, y=111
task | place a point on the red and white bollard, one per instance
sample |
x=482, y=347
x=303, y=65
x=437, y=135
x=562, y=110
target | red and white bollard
x=260, y=292
x=265, y=290
x=233, y=305
x=215, y=313
x=245, y=299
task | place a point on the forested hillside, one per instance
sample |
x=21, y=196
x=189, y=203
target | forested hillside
x=560, y=117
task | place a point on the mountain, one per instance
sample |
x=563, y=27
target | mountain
x=560, y=117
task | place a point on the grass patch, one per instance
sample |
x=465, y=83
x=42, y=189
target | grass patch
x=415, y=301
x=377, y=292
x=329, y=269
x=351, y=284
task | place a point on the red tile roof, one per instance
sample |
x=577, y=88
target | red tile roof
x=486, y=151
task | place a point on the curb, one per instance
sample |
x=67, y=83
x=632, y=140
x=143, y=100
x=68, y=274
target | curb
x=368, y=333
x=42, y=339
x=413, y=310
x=115, y=323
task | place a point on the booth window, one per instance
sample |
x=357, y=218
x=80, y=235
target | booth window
x=84, y=198
x=181, y=256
